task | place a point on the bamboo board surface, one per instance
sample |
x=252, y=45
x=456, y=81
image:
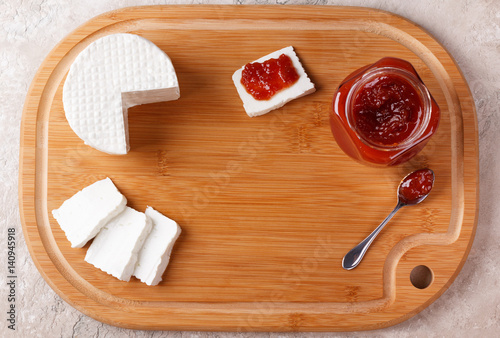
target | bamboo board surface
x=268, y=205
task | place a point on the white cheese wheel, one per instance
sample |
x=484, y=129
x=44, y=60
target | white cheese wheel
x=112, y=74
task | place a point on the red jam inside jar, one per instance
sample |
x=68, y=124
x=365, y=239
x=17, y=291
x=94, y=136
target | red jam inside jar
x=383, y=114
x=386, y=110
x=264, y=80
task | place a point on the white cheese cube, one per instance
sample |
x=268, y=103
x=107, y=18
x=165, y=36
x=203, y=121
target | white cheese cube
x=155, y=253
x=85, y=213
x=117, y=245
x=110, y=75
x=302, y=87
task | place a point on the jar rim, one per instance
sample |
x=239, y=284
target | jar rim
x=415, y=82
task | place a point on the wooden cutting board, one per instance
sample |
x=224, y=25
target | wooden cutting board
x=268, y=205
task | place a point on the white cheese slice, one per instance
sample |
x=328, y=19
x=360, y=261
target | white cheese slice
x=116, y=247
x=302, y=87
x=155, y=253
x=85, y=213
x=112, y=74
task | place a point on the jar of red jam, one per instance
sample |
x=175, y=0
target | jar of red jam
x=383, y=114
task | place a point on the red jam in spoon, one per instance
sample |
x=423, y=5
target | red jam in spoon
x=416, y=186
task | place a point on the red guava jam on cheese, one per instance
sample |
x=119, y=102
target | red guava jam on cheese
x=263, y=80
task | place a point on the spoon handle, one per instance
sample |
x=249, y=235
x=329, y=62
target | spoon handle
x=354, y=257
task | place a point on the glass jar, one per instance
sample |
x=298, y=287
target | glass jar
x=383, y=114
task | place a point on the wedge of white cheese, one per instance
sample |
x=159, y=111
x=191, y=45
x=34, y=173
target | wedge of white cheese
x=112, y=74
x=85, y=213
x=302, y=87
x=155, y=253
x=115, y=249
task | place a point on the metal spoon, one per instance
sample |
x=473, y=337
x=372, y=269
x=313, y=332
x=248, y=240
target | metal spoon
x=412, y=189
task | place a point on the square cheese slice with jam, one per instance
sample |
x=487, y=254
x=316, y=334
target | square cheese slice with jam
x=155, y=253
x=110, y=75
x=85, y=213
x=303, y=86
x=116, y=247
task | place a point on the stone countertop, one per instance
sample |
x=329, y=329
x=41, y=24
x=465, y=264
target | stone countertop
x=470, y=31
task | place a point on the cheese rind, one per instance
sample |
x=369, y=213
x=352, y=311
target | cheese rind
x=115, y=249
x=155, y=253
x=302, y=87
x=85, y=213
x=110, y=75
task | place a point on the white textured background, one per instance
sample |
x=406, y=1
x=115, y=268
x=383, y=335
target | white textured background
x=470, y=30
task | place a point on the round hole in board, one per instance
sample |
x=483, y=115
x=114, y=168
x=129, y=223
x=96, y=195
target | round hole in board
x=421, y=276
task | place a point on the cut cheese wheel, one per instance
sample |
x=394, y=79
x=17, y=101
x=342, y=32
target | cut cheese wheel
x=115, y=249
x=155, y=253
x=85, y=213
x=112, y=74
